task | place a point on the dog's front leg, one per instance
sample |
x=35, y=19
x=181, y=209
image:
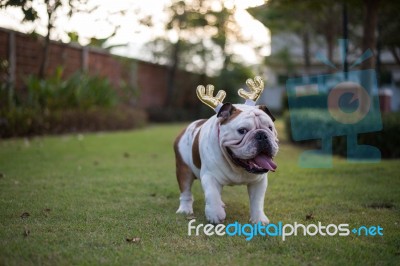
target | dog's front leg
x=256, y=192
x=215, y=212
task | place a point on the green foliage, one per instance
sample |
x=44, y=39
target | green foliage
x=185, y=16
x=6, y=89
x=388, y=26
x=30, y=9
x=30, y=14
x=202, y=28
x=283, y=15
x=171, y=114
x=387, y=140
x=19, y=122
x=56, y=105
x=193, y=56
x=233, y=78
x=284, y=57
x=81, y=91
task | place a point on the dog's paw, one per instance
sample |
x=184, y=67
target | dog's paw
x=259, y=217
x=215, y=214
x=185, y=208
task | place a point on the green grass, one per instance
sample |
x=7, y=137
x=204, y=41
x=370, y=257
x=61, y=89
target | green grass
x=86, y=195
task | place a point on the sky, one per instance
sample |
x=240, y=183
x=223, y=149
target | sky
x=102, y=22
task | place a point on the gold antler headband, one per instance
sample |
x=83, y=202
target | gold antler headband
x=256, y=87
x=206, y=96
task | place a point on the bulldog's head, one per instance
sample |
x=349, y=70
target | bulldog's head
x=248, y=137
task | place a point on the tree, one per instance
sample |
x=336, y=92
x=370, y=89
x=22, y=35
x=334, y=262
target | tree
x=202, y=29
x=366, y=18
x=306, y=19
x=389, y=28
x=52, y=7
x=370, y=24
x=98, y=42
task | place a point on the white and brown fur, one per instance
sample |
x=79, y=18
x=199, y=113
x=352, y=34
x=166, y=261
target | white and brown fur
x=199, y=156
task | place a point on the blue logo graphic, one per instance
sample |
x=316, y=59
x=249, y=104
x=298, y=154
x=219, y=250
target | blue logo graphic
x=337, y=104
x=249, y=231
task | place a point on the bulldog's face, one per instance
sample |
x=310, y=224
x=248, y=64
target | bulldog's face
x=248, y=137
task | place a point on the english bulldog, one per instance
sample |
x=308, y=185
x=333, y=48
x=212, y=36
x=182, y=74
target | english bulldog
x=235, y=146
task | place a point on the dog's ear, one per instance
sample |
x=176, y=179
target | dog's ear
x=267, y=111
x=226, y=111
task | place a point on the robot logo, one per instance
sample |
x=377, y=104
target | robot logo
x=337, y=104
x=358, y=95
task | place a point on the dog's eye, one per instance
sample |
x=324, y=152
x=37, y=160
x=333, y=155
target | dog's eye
x=270, y=128
x=242, y=131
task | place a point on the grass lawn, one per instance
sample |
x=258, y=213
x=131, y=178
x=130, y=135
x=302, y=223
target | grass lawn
x=86, y=194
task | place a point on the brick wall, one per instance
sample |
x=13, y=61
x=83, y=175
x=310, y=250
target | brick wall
x=21, y=54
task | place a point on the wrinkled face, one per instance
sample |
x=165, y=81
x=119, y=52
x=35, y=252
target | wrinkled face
x=248, y=138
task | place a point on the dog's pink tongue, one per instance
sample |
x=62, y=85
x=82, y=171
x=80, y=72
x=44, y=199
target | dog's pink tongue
x=265, y=162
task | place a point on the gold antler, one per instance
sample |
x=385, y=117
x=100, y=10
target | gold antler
x=206, y=96
x=256, y=87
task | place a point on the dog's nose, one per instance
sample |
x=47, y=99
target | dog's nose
x=262, y=142
x=261, y=136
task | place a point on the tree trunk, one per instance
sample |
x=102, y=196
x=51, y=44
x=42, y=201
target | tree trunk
x=330, y=43
x=46, y=49
x=369, y=42
x=306, y=52
x=172, y=73
x=345, y=34
x=369, y=31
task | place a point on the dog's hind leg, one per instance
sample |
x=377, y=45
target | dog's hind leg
x=185, y=179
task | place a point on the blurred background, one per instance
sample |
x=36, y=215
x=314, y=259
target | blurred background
x=85, y=65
